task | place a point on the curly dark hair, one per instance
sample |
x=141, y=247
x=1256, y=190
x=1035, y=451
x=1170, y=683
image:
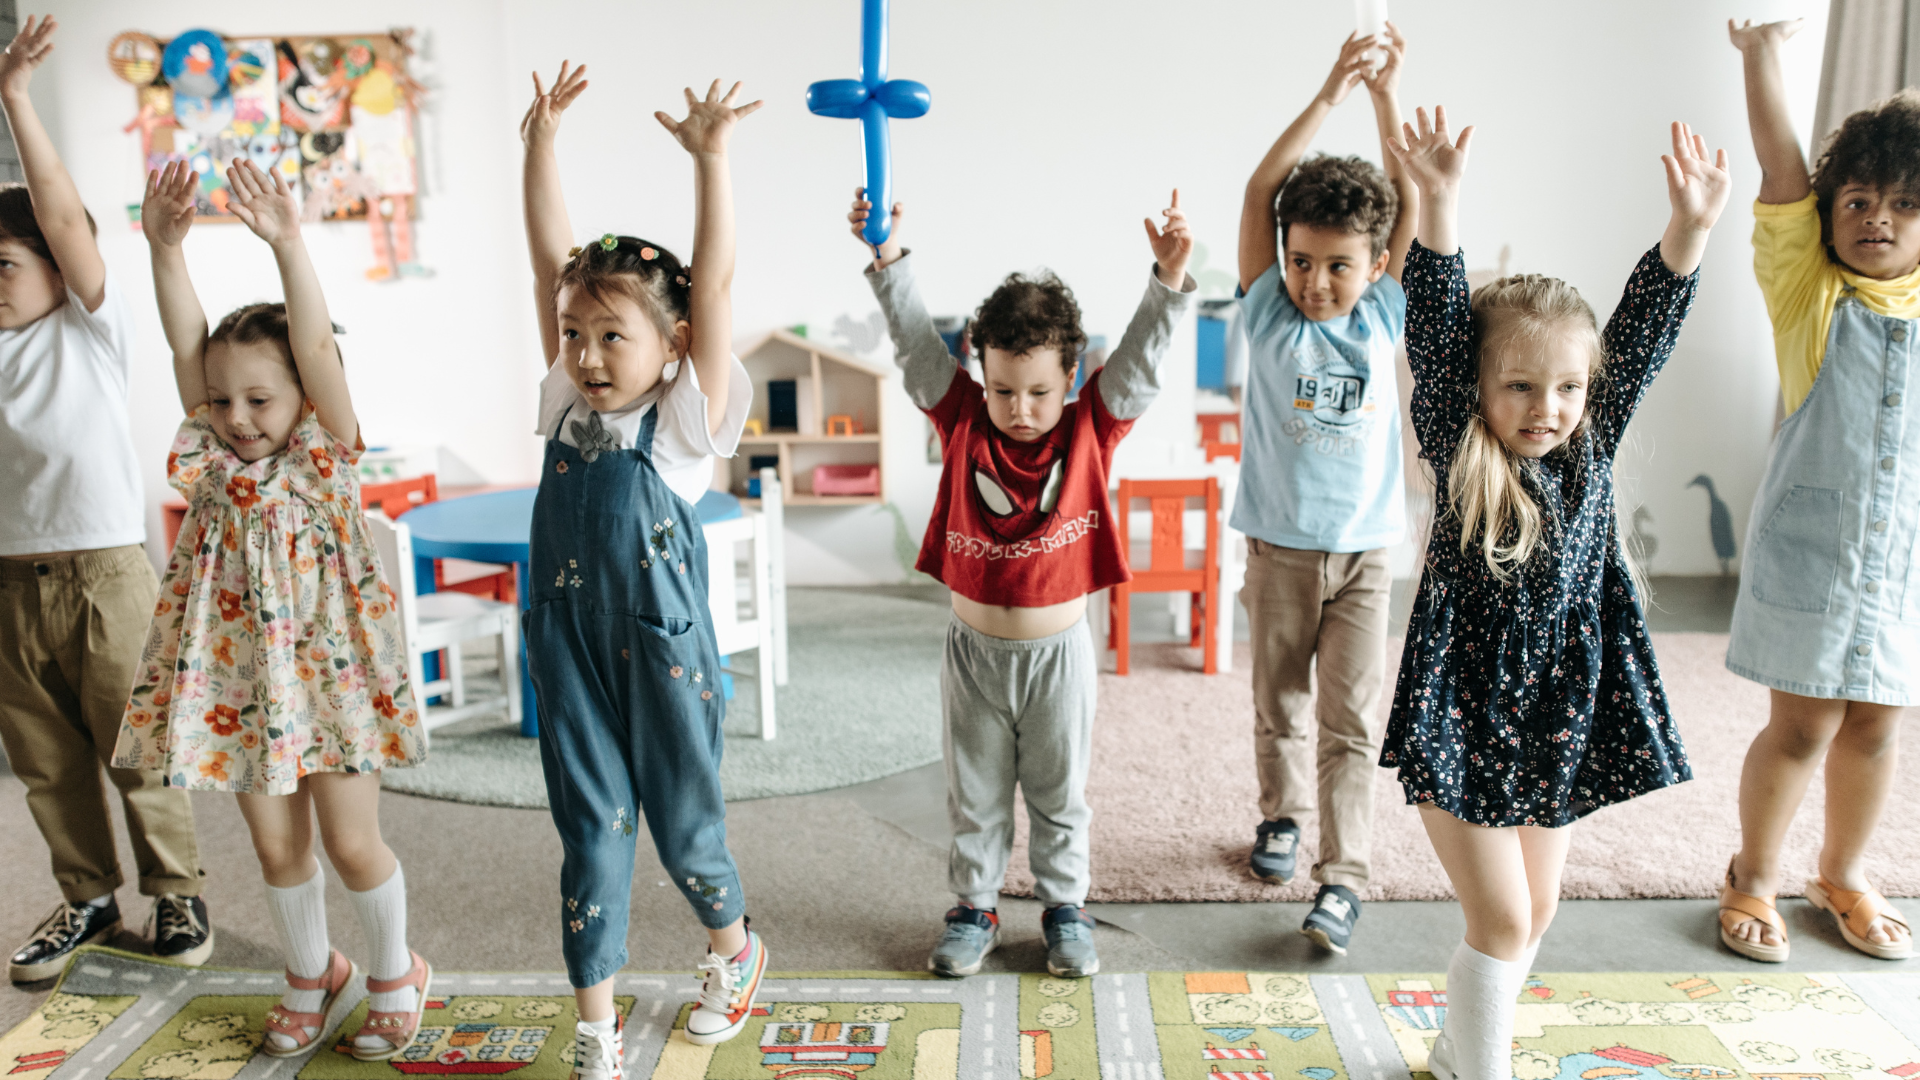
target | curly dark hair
x=1346, y=193
x=1879, y=145
x=1031, y=312
x=18, y=223
x=641, y=270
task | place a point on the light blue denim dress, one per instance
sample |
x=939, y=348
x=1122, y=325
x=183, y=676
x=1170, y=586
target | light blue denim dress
x=1829, y=603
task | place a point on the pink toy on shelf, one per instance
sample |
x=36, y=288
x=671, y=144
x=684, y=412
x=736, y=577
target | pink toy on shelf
x=846, y=480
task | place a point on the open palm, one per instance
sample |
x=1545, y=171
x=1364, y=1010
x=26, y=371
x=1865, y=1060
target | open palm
x=167, y=211
x=543, y=116
x=1432, y=157
x=263, y=203
x=1697, y=186
x=709, y=121
x=30, y=46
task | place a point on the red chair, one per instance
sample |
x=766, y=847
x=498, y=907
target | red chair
x=1167, y=569
x=396, y=497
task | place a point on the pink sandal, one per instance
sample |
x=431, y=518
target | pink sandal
x=284, y=1021
x=397, y=1028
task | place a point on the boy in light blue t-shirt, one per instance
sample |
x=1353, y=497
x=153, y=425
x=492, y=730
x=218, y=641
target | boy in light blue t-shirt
x=1320, y=499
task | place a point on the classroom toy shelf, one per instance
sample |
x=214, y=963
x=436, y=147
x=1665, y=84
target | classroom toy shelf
x=827, y=414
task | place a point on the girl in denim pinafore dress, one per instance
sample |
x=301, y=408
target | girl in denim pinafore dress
x=1828, y=615
x=620, y=645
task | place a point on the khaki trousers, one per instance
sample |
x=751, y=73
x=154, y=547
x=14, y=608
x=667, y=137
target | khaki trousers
x=1303, y=607
x=71, y=631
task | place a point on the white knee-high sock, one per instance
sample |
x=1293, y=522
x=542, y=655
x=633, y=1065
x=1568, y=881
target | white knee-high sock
x=300, y=915
x=1476, y=1042
x=383, y=915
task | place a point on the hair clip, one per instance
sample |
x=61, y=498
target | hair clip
x=680, y=280
x=573, y=253
x=609, y=242
x=338, y=329
x=649, y=254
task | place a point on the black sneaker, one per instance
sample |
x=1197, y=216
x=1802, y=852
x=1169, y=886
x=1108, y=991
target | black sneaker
x=1330, y=923
x=1276, y=847
x=69, y=927
x=181, y=932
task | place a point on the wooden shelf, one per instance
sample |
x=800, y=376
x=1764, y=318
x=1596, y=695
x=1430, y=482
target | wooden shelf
x=789, y=438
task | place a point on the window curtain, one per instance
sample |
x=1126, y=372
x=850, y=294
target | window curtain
x=1873, y=50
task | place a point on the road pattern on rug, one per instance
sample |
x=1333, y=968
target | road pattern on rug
x=118, y=1016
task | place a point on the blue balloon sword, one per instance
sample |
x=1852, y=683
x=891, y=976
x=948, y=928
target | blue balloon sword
x=871, y=99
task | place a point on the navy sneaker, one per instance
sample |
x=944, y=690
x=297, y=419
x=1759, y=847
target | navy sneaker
x=1276, y=847
x=1069, y=933
x=181, y=932
x=970, y=935
x=1330, y=923
x=59, y=934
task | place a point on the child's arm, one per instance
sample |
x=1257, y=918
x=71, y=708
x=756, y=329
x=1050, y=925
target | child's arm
x=1259, y=239
x=56, y=202
x=165, y=216
x=1697, y=188
x=1383, y=86
x=704, y=134
x=549, y=234
x=1440, y=347
x=1436, y=164
x=1131, y=378
x=918, y=350
x=1783, y=168
x=265, y=205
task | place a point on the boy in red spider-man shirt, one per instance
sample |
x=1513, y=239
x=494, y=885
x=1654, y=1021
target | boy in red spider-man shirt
x=1021, y=532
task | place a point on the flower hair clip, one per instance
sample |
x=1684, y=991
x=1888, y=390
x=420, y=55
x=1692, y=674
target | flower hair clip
x=682, y=278
x=573, y=252
x=608, y=242
x=649, y=254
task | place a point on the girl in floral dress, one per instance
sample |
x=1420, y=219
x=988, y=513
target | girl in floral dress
x=1528, y=693
x=275, y=667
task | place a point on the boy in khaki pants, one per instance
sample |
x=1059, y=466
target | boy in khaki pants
x=1320, y=497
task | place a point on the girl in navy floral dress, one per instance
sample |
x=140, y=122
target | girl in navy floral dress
x=1528, y=693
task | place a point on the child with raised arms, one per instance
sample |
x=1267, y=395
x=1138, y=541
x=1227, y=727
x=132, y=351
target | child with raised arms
x=1828, y=616
x=1528, y=694
x=275, y=668
x=641, y=392
x=1021, y=532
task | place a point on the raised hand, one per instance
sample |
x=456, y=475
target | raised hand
x=1350, y=68
x=263, y=203
x=29, y=47
x=1432, y=158
x=543, y=116
x=1747, y=36
x=709, y=121
x=1172, y=244
x=1697, y=185
x=1385, y=79
x=167, y=211
x=888, y=251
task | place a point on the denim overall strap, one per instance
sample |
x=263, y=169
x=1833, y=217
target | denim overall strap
x=621, y=650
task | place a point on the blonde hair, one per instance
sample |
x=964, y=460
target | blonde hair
x=1485, y=489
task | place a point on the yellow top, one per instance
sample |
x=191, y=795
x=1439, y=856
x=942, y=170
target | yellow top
x=1802, y=284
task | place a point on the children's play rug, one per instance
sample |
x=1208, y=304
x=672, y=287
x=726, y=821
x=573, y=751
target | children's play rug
x=116, y=1016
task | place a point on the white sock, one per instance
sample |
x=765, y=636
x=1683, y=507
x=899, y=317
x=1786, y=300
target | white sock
x=300, y=915
x=100, y=901
x=1476, y=1042
x=383, y=915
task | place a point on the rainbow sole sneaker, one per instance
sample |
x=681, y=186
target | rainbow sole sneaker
x=726, y=996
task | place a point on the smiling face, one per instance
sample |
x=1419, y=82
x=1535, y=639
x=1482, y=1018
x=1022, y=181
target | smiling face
x=255, y=398
x=1875, y=231
x=1328, y=270
x=1533, y=390
x=612, y=351
x=1026, y=392
x=30, y=285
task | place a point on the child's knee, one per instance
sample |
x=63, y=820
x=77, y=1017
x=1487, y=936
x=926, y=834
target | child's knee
x=1544, y=909
x=355, y=854
x=1871, y=734
x=1802, y=739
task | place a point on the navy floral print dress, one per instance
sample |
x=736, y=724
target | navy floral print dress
x=1534, y=701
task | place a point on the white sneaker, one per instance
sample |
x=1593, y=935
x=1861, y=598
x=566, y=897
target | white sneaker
x=1440, y=1058
x=598, y=1055
x=726, y=996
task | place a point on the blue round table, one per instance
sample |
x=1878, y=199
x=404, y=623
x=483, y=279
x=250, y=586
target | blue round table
x=493, y=528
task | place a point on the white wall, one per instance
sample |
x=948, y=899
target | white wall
x=1055, y=128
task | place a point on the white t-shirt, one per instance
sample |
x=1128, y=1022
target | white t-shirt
x=683, y=448
x=69, y=479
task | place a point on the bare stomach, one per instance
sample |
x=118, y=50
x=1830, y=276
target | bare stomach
x=1019, y=623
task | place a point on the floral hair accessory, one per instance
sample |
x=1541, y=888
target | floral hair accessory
x=608, y=242
x=680, y=280
x=649, y=254
x=573, y=253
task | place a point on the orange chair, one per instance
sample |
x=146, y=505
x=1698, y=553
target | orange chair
x=396, y=497
x=1214, y=431
x=1167, y=569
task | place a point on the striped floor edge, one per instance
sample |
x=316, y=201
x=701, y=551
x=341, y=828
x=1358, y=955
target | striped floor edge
x=120, y=1016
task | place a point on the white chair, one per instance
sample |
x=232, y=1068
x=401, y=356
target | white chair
x=444, y=620
x=748, y=610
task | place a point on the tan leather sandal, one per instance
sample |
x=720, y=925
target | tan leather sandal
x=1854, y=913
x=397, y=1028
x=1737, y=907
x=284, y=1021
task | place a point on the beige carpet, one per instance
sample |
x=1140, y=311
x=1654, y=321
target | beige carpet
x=1174, y=797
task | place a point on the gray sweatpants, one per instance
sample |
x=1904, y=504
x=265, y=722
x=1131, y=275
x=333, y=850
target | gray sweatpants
x=1018, y=711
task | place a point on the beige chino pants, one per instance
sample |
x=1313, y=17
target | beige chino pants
x=1313, y=610
x=71, y=631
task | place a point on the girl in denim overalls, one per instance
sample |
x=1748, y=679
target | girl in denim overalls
x=645, y=392
x=1829, y=609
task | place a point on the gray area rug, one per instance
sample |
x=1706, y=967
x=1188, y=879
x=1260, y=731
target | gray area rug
x=862, y=701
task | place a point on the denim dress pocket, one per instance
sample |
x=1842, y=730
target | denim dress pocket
x=1797, y=556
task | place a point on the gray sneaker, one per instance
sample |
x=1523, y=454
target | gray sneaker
x=1069, y=933
x=971, y=934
